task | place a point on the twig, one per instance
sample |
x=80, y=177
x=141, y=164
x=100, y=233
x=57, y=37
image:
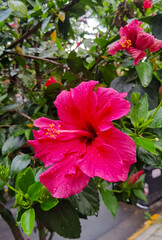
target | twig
x=38, y=25
x=51, y=236
x=25, y=35
x=23, y=114
x=11, y=223
x=34, y=57
x=5, y=126
x=49, y=61
x=38, y=75
x=41, y=228
x=53, y=69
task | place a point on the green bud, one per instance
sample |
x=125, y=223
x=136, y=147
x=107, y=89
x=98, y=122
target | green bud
x=135, y=97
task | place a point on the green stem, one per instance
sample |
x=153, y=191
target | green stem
x=155, y=54
x=125, y=126
x=117, y=191
x=13, y=189
x=157, y=109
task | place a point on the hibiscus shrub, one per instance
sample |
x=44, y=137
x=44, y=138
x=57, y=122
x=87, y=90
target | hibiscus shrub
x=80, y=109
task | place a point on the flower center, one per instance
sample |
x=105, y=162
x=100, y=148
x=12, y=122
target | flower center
x=93, y=135
x=125, y=43
x=52, y=131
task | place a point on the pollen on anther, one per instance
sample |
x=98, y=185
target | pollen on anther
x=52, y=131
x=125, y=43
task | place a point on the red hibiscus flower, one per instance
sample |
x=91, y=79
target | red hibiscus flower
x=50, y=81
x=147, y=4
x=133, y=179
x=78, y=44
x=134, y=40
x=83, y=143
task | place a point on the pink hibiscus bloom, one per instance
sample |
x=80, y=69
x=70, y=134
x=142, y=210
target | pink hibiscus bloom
x=147, y=4
x=50, y=81
x=83, y=143
x=133, y=179
x=134, y=40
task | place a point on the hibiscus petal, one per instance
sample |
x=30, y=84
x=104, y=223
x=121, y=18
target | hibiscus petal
x=45, y=122
x=67, y=112
x=131, y=30
x=115, y=47
x=144, y=41
x=64, y=179
x=156, y=45
x=50, y=150
x=124, y=145
x=103, y=161
x=136, y=54
x=111, y=106
x=85, y=99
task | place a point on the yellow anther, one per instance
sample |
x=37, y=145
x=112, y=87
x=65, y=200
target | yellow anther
x=125, y=43
x=52, y=131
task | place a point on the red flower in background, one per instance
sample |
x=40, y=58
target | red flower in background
x=78, y=44
x=147, y=4
x=133, y=179
x=12, y=25
x=135, y=41
x=50, y=81
x=83, y=143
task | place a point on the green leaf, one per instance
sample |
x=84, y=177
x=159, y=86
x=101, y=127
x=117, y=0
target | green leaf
x=3, y=97
x=145, y=70
x=45, y=23
x=75, y=63
x=11, y=144
x=62, y=219
x=27, y=221
x=38, y=172
x=110, y=201
x=139, y=112
x=109, y=73
x=5, y=14
x=69, y=77
x=8, y=107
x=149, y=158
x=35, y=191
x=58, y=43
x=140, y=194
x=49, y=203
x=87, y=201
x=101, y=42
x=53, y=87
x=158, y=144
x=27, y=133
x=21, y=61
x=17, y=6
x=64, y=27
x=156, y=24
x=145, y=143
x=19, y=163
x=122, y=84
x=157, y=122
x=2, y=136
x=26, y=179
